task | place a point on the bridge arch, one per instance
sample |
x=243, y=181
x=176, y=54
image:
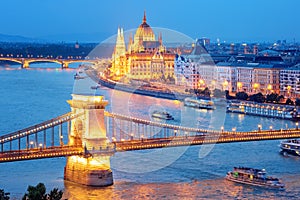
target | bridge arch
x=45, y=60
x=12, y=60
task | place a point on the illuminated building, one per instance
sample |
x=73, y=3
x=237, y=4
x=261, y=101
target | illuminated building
x=145, y=58
x=186, y=68
x=290, y=81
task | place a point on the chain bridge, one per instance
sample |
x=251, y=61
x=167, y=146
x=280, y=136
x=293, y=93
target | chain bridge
x=89, y=135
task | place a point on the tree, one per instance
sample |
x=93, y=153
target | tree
x=272, y=97
x=4, y=195
x=218, y=93
x=55, y=194
x=259, y=98
x=205, y=92
x=297, y=102
x=228, y=96
x=279, y=98
x=289, y=102
x=241, y=96
x=38, y=192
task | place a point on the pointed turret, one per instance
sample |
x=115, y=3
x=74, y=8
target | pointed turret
x=120, y=48
x=160, y=38
x=130, y=43
x=144, y=19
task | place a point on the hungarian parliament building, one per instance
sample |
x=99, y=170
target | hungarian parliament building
x=145, y=58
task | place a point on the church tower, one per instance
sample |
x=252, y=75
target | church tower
x=120, y=48
x=118, y=69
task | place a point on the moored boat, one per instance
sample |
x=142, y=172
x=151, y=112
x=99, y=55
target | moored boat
x=291, y=147
x=162, y=115
x=199, y=103
x=77, y=76
x=256, y=177
x=264, y=109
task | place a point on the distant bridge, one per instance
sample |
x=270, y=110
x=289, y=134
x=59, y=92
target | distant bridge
x=25, y=62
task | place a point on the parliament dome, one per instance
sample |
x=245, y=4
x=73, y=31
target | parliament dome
x=144, y=32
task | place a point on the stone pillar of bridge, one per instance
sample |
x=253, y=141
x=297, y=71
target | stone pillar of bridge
x=25, y=64
x=88, y=131
x=64, y=65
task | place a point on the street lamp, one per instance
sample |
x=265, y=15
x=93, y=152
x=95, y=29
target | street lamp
x=288, y=89
x=259, y=127
x=61, y=140
x=255, y=86
x=270, y=87
x=297, y=125
x=225, y=84
x=239, y=85
x=222, y=128
x=31, y=144
x=271, y=128
x=41, y=146
x=131, y=136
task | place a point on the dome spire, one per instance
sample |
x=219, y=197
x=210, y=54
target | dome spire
x=144, y=19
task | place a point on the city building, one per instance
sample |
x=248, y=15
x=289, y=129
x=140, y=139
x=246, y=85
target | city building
x=290, y=81
x=186, y=68
x=146, y=58
x=266, y=78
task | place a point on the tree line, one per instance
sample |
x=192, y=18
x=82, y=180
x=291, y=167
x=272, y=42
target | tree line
x=37, y=192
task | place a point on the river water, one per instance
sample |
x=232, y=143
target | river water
x=34, y=95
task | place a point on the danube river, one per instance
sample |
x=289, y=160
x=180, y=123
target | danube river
x=33, y=95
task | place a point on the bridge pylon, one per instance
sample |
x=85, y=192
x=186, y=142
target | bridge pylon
x=88, y=131
x=64, y=65
x=25, y=64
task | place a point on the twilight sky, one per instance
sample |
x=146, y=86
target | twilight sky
x=95, y=20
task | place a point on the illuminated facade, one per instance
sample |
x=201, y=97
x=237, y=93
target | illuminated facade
x=145, y=58
x=290, y=81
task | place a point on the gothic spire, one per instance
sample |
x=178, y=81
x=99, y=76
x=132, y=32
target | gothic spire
x=144, y=19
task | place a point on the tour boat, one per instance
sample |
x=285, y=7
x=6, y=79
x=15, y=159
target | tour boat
x=162, y=115
x=264, y=109
x=199, y=103
x=256, y=177
x=291, y=147
x=77, y=76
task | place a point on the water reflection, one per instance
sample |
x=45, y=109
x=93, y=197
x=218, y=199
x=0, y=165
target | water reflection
x=209, y=189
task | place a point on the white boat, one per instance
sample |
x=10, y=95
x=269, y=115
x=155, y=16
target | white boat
x=162, y=115
x=77, y=77
x=199, y=103
x=291, y=147
x=264, y=109
x=256, y=177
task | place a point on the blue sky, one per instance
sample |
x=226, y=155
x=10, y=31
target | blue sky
x=229, y=20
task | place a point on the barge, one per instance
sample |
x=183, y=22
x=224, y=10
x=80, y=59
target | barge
x=264, y=109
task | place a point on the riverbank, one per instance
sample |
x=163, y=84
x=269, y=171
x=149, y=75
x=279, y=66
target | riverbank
x=163, y=92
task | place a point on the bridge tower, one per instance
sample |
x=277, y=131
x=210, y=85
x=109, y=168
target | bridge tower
x=25, y=64
x=88, y=131
x=64, y=65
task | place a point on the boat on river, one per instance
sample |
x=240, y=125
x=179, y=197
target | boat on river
x=264, y=109
x=162, y=115
x=256, y=177
x=291, y=147
x=199, y=103
x=77, y=76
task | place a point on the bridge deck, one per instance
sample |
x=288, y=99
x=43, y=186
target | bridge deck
x=38, y=153
x=203, y=139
